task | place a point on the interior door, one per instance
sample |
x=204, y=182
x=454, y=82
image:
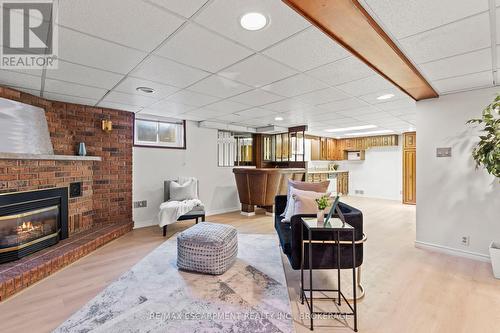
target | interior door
x=409, y=169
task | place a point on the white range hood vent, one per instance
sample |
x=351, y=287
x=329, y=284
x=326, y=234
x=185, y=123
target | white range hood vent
x=23, y=129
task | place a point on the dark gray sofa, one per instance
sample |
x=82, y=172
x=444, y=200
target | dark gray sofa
x=324, y=255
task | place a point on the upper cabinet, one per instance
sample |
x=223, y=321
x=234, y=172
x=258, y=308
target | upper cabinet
x=330, y=149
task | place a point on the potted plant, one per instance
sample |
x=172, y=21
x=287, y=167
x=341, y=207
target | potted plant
x=487, y=154
x=487, y=151
x=322, y=203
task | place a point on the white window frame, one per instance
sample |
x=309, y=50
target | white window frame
x=180, y=135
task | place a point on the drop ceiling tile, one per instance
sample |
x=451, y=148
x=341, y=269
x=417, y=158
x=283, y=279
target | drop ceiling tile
x=476, y=80
x=404, y=103
x=404, y=18
x=365, y=86
x=358, y=111
x=345, y=104
x=456, y=38
x=192, y=117
x=231, y=118
x=341, y=71
x=306, y=50
x=129, y=99
x=200, y=48
x=167, y=107
x=15, y=79
x=295, y=85
x=468, y=63
x=69, y=99
x=169, y=72
x=119, y=106
x=223, y=17
x=94, y=52
x=205, y=113
x=286, y=105
x=215, y=85
x=158, y=113
x=191, y=98
x=257, y=71
x=227, y=106
x=382, y=116
x=75, y=73
x=130, y=85
x=132, y=23
x=371, y=98
x=73, y=89
x=256, y=97
x=255, y=112
x=322, y=96
x=181, y=7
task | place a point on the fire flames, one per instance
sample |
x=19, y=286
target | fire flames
x=26, y=226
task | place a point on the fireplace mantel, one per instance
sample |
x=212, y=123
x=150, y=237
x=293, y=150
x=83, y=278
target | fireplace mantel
x=17, y=156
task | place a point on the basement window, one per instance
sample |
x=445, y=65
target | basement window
x=160, y=133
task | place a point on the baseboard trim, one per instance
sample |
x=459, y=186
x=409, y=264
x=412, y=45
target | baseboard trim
x=452, y=251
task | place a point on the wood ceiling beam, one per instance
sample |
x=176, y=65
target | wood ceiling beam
x=350, y=25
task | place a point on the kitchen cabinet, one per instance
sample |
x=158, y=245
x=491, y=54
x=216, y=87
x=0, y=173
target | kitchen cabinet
x=409, y=168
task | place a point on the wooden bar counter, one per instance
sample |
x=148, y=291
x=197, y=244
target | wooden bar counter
x=259, y=186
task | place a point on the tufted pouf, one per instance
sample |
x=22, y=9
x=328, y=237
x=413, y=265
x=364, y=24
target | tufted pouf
x=207, y=248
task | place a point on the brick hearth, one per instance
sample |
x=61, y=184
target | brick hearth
x=17, y=275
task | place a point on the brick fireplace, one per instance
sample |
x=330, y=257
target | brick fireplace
x=102, y=212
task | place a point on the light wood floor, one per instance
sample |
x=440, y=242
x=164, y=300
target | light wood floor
x=407, y=289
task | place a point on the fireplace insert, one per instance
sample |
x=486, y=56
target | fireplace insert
x=31, y=221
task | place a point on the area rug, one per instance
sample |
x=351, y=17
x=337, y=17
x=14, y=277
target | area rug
x=154, y=296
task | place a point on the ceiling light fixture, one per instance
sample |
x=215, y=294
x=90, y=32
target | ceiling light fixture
x=386, y=96
x=278, y=118
x=253, y=21
x=345, y=129
x=369, y=133
x=146, y=90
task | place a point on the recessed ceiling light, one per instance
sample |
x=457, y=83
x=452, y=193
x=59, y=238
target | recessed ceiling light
x=354, y=128
x=369, y=133
x=253, y=21
x=386, y=96
x=278, y=118
x=146, y=90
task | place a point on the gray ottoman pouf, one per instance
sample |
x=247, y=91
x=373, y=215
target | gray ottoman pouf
x=207, y=248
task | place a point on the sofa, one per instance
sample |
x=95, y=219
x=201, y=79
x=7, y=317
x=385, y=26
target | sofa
x=324, y=256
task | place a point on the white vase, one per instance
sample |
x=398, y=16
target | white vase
x=495, y=258
x=320, y=216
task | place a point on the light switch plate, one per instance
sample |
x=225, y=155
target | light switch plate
x=443, y=152
x=140, y=204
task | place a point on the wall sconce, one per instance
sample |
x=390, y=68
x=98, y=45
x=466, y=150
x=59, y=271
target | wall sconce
x=107, y=125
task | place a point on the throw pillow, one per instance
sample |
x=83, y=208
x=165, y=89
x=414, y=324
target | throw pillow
x=302, y=202
x=321, y=187
x=186, y=191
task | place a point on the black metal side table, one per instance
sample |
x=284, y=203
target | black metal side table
x=335, y=226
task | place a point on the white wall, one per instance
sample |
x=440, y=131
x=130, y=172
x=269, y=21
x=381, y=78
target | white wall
x=151, y=166
x=379, y=175
x=454, y=199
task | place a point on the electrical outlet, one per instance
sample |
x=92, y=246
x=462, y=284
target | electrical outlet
x=140, y=204
x=465, y=241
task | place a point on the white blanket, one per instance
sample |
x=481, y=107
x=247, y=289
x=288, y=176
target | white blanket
x=170, y=211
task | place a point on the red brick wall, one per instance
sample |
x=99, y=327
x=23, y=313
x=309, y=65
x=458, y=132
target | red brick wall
x=108, y=184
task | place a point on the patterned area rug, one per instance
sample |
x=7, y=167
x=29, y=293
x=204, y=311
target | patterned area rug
x=154, y=296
